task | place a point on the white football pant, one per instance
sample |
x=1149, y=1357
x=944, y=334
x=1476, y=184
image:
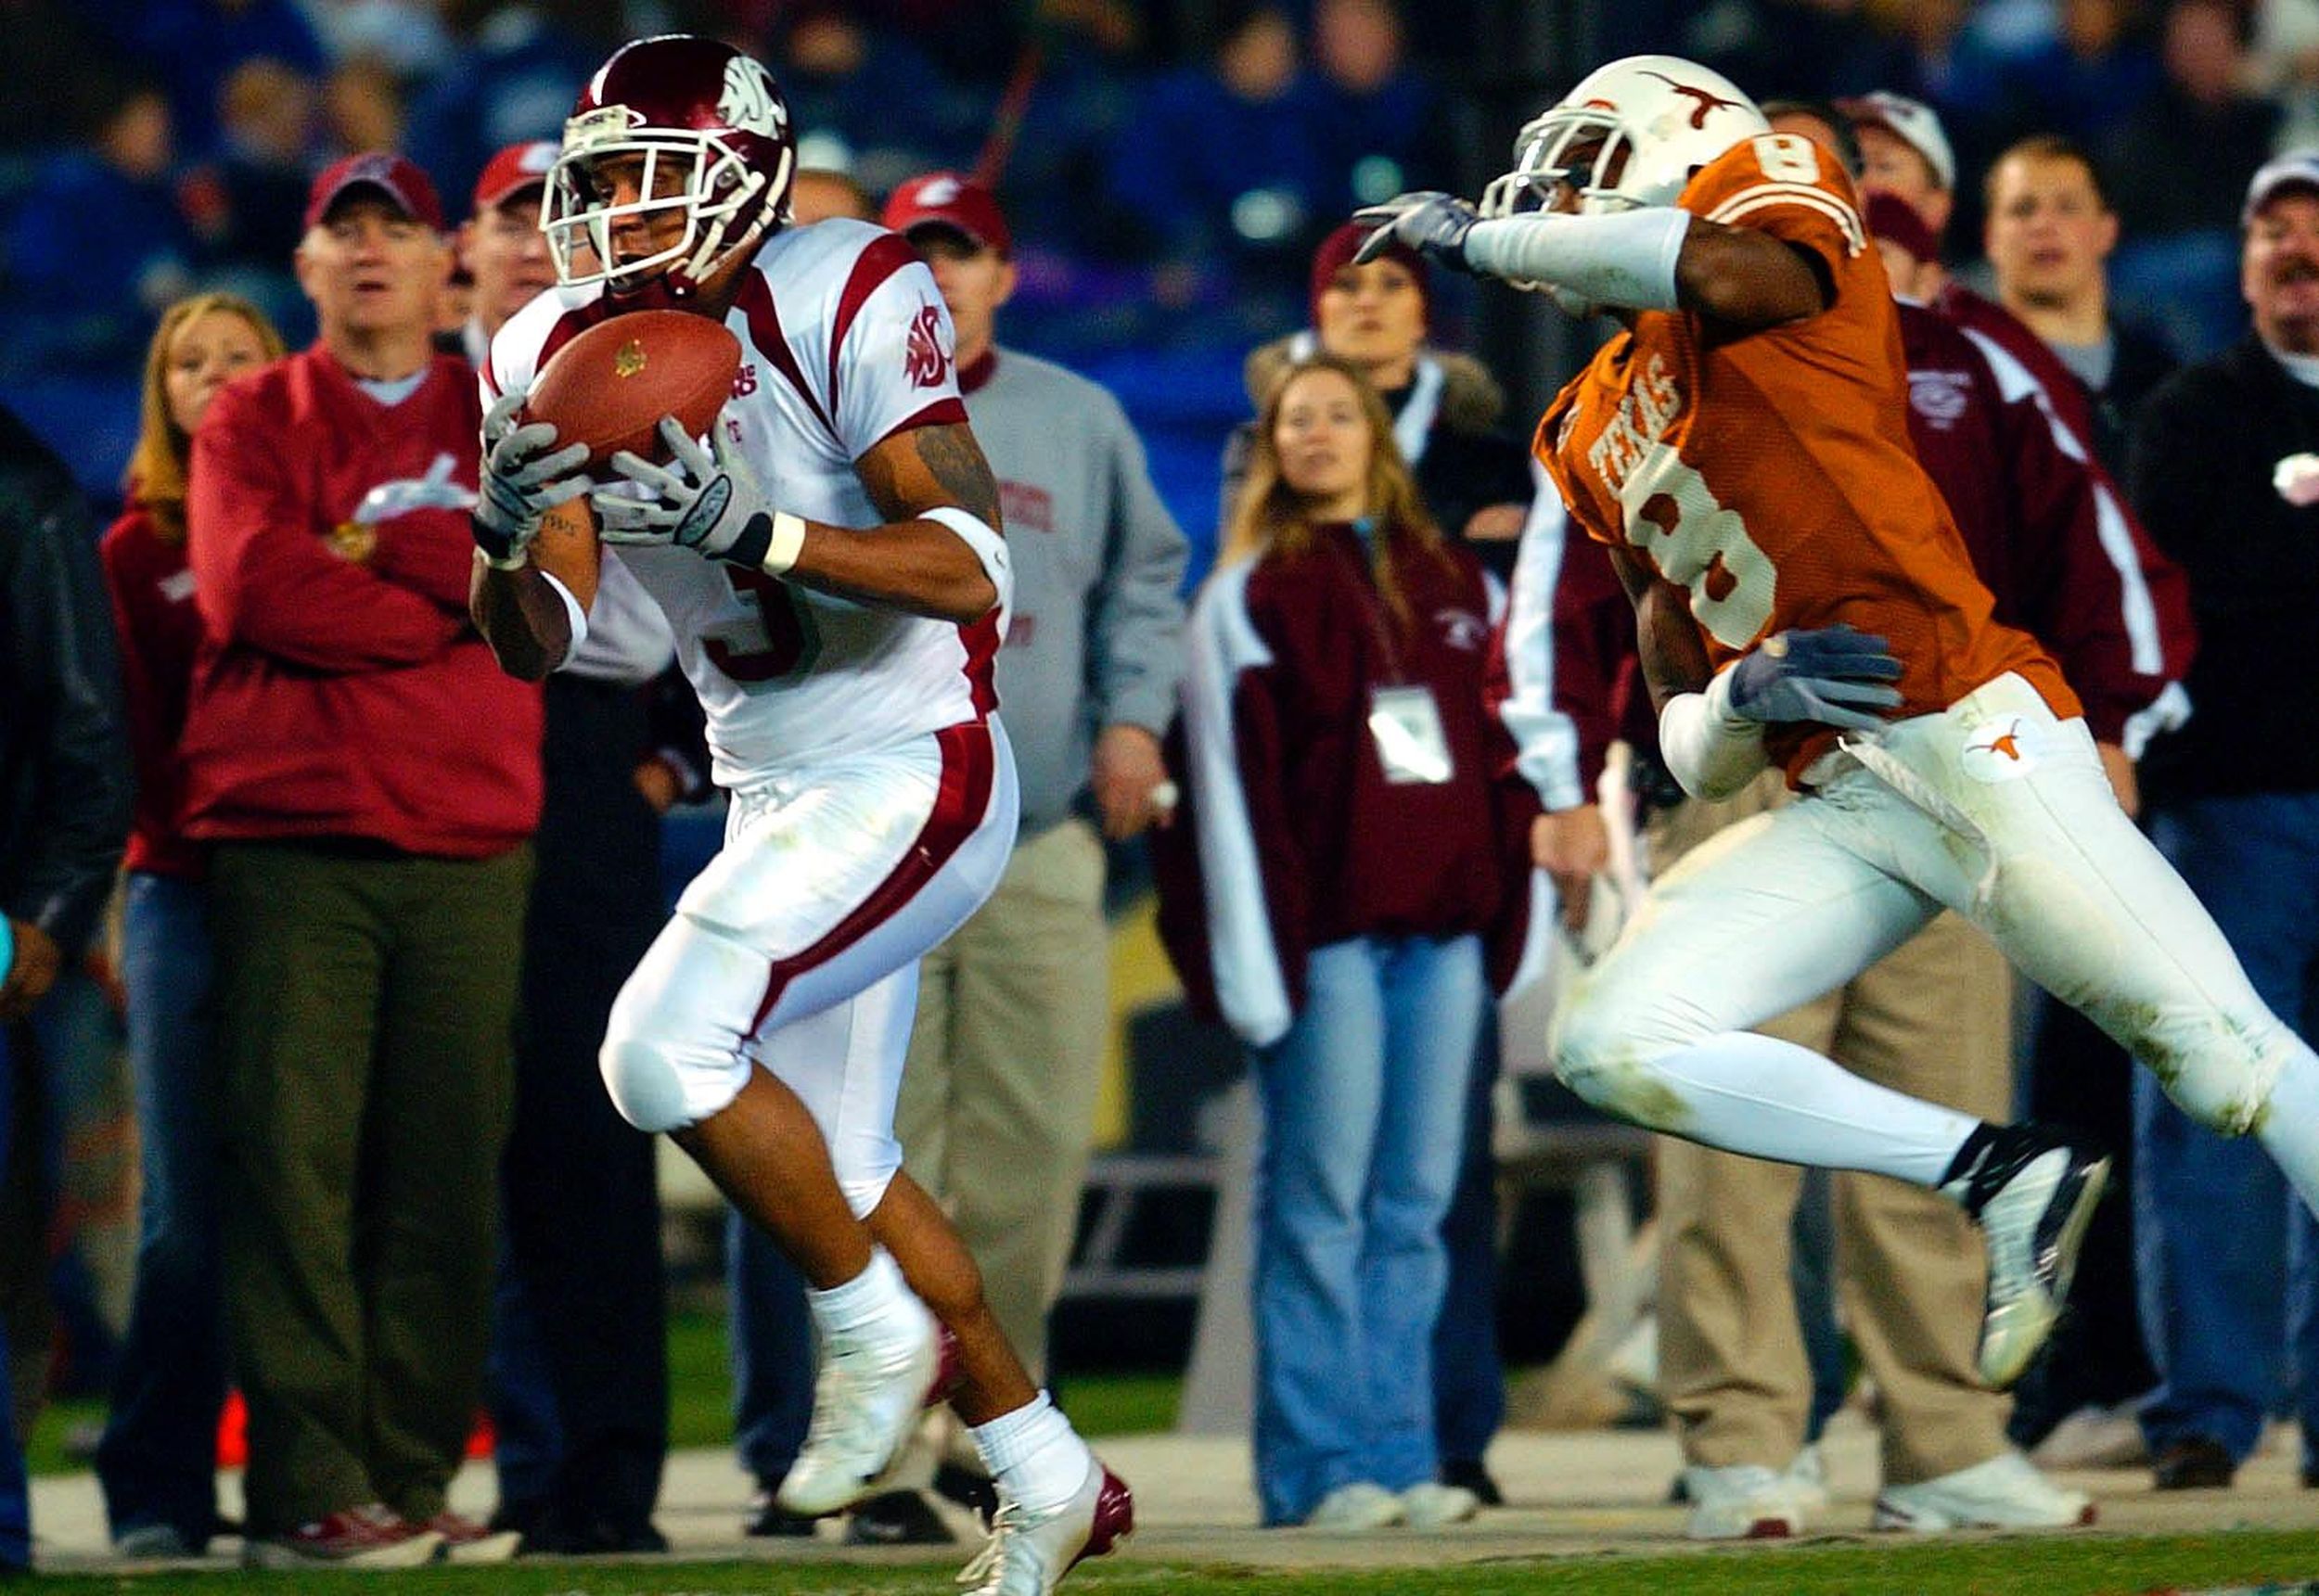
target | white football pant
x=1993, y=808
x=797, y=947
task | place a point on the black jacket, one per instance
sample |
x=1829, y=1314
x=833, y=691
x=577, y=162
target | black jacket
x=65, y=781
x=2199, y=472
x=2138, y=364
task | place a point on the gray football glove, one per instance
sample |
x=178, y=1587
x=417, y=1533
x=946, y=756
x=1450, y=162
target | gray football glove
x=1430, y=221
x=703, y=500
x=1817, y=675
x=525, y=475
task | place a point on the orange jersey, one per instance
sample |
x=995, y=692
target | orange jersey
x=1771, y=475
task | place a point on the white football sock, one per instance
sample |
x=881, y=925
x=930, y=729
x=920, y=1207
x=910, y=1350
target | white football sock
x=1772, y=1099
x=874, y=1306
x=1034, y=1455
x=2290, y=1129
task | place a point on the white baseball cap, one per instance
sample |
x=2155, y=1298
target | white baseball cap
x=2296, y=169
x=1913, y=123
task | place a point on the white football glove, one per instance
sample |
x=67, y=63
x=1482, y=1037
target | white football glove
x=705, y=500
x=524, y=477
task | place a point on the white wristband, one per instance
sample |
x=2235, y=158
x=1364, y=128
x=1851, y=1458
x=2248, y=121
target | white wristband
x=1712, y=751
x=1619, y=258
x=515, y=561
x=573, y=613
x=788, y=540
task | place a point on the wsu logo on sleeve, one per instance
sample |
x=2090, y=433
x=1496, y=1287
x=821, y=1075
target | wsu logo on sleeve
x=925, y=354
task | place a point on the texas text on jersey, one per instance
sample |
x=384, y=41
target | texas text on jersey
x=1672, y=425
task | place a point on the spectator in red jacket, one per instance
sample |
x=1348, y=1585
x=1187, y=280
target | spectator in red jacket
x=368, y=779
x=1352, y=843
x=158, y=1459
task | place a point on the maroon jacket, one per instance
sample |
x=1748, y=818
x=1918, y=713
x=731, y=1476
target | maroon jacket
x=1293, y=837
x=2046, y=529
x=339, y=691
x=159, y=631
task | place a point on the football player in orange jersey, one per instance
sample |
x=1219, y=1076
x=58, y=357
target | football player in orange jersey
x=1804, y=599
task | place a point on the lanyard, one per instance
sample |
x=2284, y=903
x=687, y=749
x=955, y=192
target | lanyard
x=1372, y=603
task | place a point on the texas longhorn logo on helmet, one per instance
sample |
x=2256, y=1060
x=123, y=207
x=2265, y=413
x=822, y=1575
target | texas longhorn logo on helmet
x=1706, y=99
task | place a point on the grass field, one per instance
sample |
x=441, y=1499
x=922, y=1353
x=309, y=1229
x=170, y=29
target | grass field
x=2079, y=1564
x=2072, y=1566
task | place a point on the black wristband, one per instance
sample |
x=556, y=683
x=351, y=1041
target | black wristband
x=492, y=542
x=756, y=540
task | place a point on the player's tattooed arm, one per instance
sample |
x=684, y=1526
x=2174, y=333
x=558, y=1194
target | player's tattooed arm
x=911, y=563
x=955, y=473
x=519, y=615
x=1667, y=639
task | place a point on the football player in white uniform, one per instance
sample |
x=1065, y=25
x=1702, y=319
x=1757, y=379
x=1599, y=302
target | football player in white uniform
x=831, y=566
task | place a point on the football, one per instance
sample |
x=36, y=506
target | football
x=609, y=387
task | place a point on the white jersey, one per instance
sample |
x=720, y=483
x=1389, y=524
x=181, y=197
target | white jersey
x=844, y=343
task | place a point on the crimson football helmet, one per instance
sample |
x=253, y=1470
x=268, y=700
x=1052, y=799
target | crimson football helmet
x=1629, y=134
x=713, y=137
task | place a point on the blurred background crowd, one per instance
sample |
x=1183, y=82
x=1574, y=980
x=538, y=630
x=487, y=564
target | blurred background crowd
x=1168, y=167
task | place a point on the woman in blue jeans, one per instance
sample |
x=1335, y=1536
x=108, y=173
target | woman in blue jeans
x=158, y=1459
x=1348, y=855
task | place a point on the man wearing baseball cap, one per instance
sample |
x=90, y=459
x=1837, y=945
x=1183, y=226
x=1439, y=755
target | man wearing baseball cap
x=501, y=245
x=367, y=779
x=1014, y=1009
x=2225, y=466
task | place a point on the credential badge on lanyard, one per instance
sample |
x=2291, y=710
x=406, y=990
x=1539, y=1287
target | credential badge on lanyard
x=1406, y=725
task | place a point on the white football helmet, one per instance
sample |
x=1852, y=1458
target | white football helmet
x=1630, y=133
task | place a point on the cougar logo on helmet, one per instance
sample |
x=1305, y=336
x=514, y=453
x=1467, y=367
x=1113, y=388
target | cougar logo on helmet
x=749, y=101
x=1629, y=134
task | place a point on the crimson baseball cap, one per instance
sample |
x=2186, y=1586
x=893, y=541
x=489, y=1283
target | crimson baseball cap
x=396, y=176
x=1913, y=123
x=944, y=198
x=513, y=169
x=2296, y=169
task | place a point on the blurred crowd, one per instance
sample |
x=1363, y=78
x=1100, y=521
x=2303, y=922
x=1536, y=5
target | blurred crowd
x=1169, y=165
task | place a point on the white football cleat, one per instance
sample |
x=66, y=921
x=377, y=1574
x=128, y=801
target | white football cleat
x=2034, y=1195
x=2006, y=1492
x=1029, y=1553
x=1742, y=1502
x=866, y=1402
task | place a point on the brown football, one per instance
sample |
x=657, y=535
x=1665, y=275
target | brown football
x=609, y=387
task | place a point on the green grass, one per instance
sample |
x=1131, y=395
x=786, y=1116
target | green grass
x=2075, y=1566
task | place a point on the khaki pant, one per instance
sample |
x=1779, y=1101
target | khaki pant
x=1933, y=1019
x=365, y=1006
x=998, y=1097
